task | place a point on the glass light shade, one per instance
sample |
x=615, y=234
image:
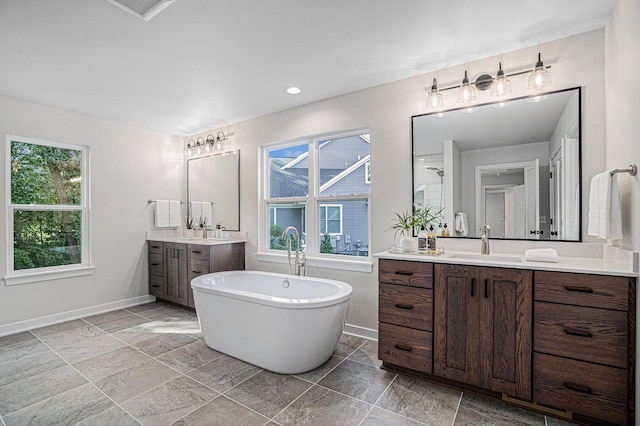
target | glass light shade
x=434, y=97
x=189, y=151
x=501, y=84
x=540, y=77
x=466, y=92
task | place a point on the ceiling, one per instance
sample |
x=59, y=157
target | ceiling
x=200, y=64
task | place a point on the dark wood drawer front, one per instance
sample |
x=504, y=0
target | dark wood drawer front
x=590, y=389
x=587, y=334
x=197, y=268
x=406, y=347
x=406, y=306
x=155, y=247
x=597, y=291
x=195, y=251
x=155, y=285
x=156, y=264
x=402, y=272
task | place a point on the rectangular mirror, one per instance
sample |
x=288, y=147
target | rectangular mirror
x=512, y=164
x=215, y=181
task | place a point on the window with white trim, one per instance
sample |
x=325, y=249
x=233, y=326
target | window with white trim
x=47, y=208
x=321, y=187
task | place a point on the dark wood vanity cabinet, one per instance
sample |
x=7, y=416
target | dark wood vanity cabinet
x=172, y=266
x=482, y=327
x=584, y=344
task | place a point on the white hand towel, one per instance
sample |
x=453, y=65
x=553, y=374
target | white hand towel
x=462, y=225
x=162, y=214
x=175, y=218
x=206, y=212
x=605, y=217
x=541, y=255
x=195, y=210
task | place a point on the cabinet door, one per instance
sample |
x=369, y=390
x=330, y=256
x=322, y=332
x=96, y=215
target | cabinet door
x=505, y=329
x=456, y=325
x=175, y=288
x=226, y=257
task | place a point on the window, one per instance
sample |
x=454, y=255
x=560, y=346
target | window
x=47, y=208
x=320, y=186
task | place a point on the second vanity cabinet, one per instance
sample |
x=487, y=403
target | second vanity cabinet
x=173, y=265
x=557, y=342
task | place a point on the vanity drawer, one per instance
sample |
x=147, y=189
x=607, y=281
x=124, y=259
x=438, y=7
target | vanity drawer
x=155, y=247
x=155, y=285
x=406, y=306
x=195, y=251
x=587, y=334
x=590, y=389
x=197, y=268
x=403, y=272
x=156, y=264
x=597, y=291
x=406, y=347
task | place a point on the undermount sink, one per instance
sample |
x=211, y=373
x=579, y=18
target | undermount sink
x=484, y=257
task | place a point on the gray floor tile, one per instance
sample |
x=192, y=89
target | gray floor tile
x=115, y=416
x=268, y=393
x=222, y=412
x=322, y=406
x=58, y=328
x=138, y=333
x=21, y=350
x=367, y=354
x=190, y=357
x=29, y=366
x=106, y=317
x=131, y=382
x=146, y=307
x=122, y=323
x=380, y=417
x=347, y=344
x=12, y=339
x=169, y=402
x=421, y=401
x=110, y=363
x=224, y=373
x=164, y=343
x=63, y=409
x=552, y=421
x=68, y=337
x=33, y=389
x=315, y=375
x=89, y=348
x=165, y=311
x=479, y=411
x=359, y=381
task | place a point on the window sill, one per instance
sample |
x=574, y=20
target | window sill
x=33, y=277
x=322, y=262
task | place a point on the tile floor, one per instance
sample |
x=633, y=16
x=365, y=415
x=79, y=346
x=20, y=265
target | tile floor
x=148, y=365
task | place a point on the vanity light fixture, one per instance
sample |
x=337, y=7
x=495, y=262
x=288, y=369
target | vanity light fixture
x=540, y=77
x=199, y=145
x=466, y=92
x=501, y=84
x=210, y=143
x=190, y=144
x=434, y=98
x=219, y=140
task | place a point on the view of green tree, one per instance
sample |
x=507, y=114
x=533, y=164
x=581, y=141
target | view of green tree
x=45, y=176
x=325, y=245
x=277, y=243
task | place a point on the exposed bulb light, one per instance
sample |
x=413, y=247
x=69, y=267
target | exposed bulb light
x=466, y=92
x=220, y=139
x=435, y=98
x=501, y=84
x=540, y=77
x=210, y=143
x=190, y=145
x=293, y=90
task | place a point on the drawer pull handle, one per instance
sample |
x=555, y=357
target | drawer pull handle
x=196, y=272
x=577, y=332
x=486, y=289
x=155, y=286
x=473, y=287
x=401, y=272
x=155, y=264
x=579, y=289
x=196, y=251
x=155, y=246
x=403, y=347
x=578, y=388
x=404, y=306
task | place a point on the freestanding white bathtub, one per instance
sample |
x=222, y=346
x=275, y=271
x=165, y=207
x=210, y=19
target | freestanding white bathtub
x=283, y=323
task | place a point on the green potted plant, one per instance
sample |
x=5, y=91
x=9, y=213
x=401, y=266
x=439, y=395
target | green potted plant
x=190, y=224
x=406, y=223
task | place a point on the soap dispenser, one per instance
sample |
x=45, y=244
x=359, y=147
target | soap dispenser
x=431, y=241
x=422, y=240
x=445, y=231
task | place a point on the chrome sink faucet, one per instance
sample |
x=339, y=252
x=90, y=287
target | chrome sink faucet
x=300, y=259
x=484, y=241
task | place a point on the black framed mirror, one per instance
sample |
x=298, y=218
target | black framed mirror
x=513, y=164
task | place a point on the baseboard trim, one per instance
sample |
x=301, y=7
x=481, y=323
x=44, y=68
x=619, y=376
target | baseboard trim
x=20, y=326
x=367, y=333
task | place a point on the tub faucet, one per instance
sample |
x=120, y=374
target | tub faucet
x=484, y=241
x=300, y=260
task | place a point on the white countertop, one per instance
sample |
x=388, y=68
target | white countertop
x=199, y=241
x=620, y=263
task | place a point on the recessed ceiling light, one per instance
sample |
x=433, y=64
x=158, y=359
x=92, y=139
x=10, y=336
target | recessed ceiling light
x=293, y=90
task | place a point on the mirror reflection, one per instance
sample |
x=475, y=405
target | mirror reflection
x=213, y=189
x=514, y=165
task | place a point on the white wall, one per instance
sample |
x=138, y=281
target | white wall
x=387, y=111
x=127, y=167
x=622, y=85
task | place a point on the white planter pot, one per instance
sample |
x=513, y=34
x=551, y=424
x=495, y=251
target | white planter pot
x=189, y=233
x=408, y=244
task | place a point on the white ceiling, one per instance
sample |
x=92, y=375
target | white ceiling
x=199, y=64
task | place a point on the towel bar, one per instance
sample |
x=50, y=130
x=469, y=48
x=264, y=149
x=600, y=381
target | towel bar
x=632, y=170
x=153, y=201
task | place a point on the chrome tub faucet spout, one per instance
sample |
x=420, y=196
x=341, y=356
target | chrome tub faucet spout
x=300, y=259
